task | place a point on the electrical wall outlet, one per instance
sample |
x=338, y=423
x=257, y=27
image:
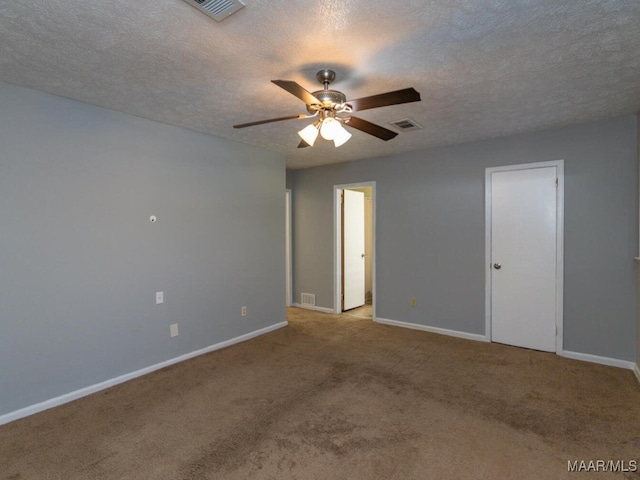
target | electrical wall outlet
x=414, y=302
x=159, y=297
x=243, y=311
x=173, y=328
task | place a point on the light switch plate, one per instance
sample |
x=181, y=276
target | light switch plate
x=159, y=297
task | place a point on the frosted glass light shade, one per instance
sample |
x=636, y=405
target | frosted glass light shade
x=341, y=137
x=309, y=134
x=330, y=128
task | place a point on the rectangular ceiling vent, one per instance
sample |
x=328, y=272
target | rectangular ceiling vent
x=217, y=9
x=406, y=125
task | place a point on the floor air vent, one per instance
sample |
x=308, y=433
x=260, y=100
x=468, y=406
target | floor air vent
x=406, y=125
x=217, y=9
x=308, y=299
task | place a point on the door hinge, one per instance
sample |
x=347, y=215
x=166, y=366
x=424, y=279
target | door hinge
x=556, y=182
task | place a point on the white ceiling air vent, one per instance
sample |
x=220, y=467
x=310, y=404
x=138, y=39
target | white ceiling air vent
x=406, y=125
x=217, y=9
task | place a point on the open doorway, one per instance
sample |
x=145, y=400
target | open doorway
x=354, y=249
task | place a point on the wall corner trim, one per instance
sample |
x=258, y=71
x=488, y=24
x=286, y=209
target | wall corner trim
x=587, y=357
x=314, y=308
x=426, y=328
x=83, y=392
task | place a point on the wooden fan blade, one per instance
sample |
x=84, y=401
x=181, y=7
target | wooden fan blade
x=303, y=144
x=384, y=99
x=370, y=128
x=260, y=122
x=294, y=89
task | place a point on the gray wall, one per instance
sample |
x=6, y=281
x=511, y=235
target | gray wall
x=430, y=231
x=80, y=261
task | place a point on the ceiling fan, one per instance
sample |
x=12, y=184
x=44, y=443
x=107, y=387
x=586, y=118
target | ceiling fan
x=333, y=111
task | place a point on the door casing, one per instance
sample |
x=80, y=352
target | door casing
x=559, y=164
x=288, y=249
x=337, y=244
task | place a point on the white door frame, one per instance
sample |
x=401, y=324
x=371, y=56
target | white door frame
x=559, y=164
x=337, y=244
x=288, y=256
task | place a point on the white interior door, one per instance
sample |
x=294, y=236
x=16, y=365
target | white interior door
x=523, y=257
x=353, y=261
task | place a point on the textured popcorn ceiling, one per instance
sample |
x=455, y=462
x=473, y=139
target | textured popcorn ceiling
x=485, y=68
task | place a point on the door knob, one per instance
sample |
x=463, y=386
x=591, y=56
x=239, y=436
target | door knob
x=497, y=266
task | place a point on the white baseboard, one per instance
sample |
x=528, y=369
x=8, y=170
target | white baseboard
x=587, y=357
x=314, y=308
x=425, y=328
x=636, y=370
x=83, y=392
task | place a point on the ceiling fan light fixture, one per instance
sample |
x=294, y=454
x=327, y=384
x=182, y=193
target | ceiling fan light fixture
x=330, y=128
x=341, y=137
x=309, y=133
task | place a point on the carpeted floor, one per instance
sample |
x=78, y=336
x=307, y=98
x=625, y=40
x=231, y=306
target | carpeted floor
x=339, y=397
x=365, y=311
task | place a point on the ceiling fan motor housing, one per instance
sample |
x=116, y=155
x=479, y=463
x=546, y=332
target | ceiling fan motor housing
x=330, y=99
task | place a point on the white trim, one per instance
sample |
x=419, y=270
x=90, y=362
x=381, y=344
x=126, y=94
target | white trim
x=83, y=392
x=559, y=164
x=313, y=307
x=337, y=260
x=288, y=250
x=337, y=243
x=636, y=370
x=587, y=357
x=426, y=328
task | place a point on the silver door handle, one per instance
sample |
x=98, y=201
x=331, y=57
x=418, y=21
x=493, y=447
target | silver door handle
x=497, y=266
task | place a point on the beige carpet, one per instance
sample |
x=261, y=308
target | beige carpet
x=365, y=311
x=339, y=397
